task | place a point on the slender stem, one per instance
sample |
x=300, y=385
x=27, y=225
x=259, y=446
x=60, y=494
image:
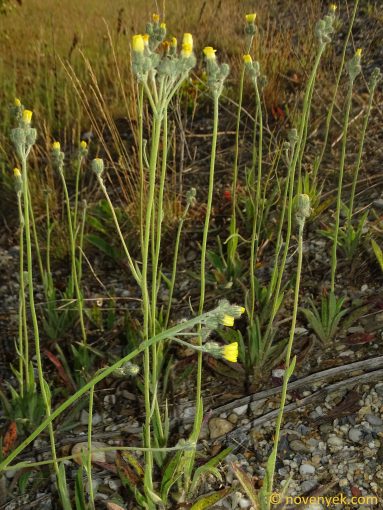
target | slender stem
x=77, y=189
x=89, y=459
x=175, y=260
x=287, y=374
x=157, y=119
x=23, y=331
x=199, y=403
x=359, y=158
x=73, y=257
x=155, y=276
x=340, y=182
x=255, y=229
x=236, y=154
x=331, y=109
x=141, y=159
x=33, y=309
x=117, y=225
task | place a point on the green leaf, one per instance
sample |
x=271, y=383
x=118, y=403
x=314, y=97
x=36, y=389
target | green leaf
x=79, y=493
x=247, y=485
x=211, y=499
x=210, y=467
x=378, y=253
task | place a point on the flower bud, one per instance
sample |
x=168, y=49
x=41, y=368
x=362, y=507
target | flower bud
x=138, y=44
x=156, y=18
x=27, y=116
x=98, y=166
x=303, y=209
x=83, y=145
x=247, y=59
x=250, y=18
x=17, y=102
x=56, y=147
x=18, y=180
x=209, y=52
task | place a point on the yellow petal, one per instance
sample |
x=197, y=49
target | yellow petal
x=230, y=352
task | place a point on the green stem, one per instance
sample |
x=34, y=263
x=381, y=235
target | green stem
x=331, y=109
x=89, y=459
x=77, y=189
x=33, y=309
x=157, y=120
x=199, y=402
x=141, y=159
x=340, y=182
x=255, y=229
x=155, y=276
x=175, y=260
x=73, y=257
x=23, y=346
x=359, y=158
x=135, y=274
x=288, y=370
x=236, y=155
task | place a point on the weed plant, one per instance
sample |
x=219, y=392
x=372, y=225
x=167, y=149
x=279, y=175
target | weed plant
x=160, y=65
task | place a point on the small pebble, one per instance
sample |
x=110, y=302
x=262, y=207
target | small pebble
x=306, y=469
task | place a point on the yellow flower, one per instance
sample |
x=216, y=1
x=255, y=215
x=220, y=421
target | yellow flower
x=358, y=52
x=209, y=52
x=146, y=39
x=17, y=102
x=56, y=146
x=242, y=309
x=230, y=352
x=333, y=7
x=173, y=42
x=163, y=26
x=187, y=50
x=247, y=60
x=27, y=116
x=83, y=144
x=156, y=17
x=188, y=40
x=228, y=320
x=250, y=18
x=138, y=43
x=16, y=172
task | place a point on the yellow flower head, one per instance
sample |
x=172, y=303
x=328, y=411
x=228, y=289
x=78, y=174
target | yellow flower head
x=209, y=52
x=188, y=40
x=146, y=38
x=27, y=116
x=156, y=18
x=17, y=102
x=138, y=43
x=16, y=172
x=163, y=26
x=56, y=146
x=83, y=144
x=247, y=59
x=333, y=7
x=230, y=352
x=358, y=52
x=250, y=18
x=173, y=42
x=187, y=50
x=228, y=320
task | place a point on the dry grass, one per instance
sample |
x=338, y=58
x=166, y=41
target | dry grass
x=71, y=62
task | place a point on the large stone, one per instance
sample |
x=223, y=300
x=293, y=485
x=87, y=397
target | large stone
x=219, y=426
